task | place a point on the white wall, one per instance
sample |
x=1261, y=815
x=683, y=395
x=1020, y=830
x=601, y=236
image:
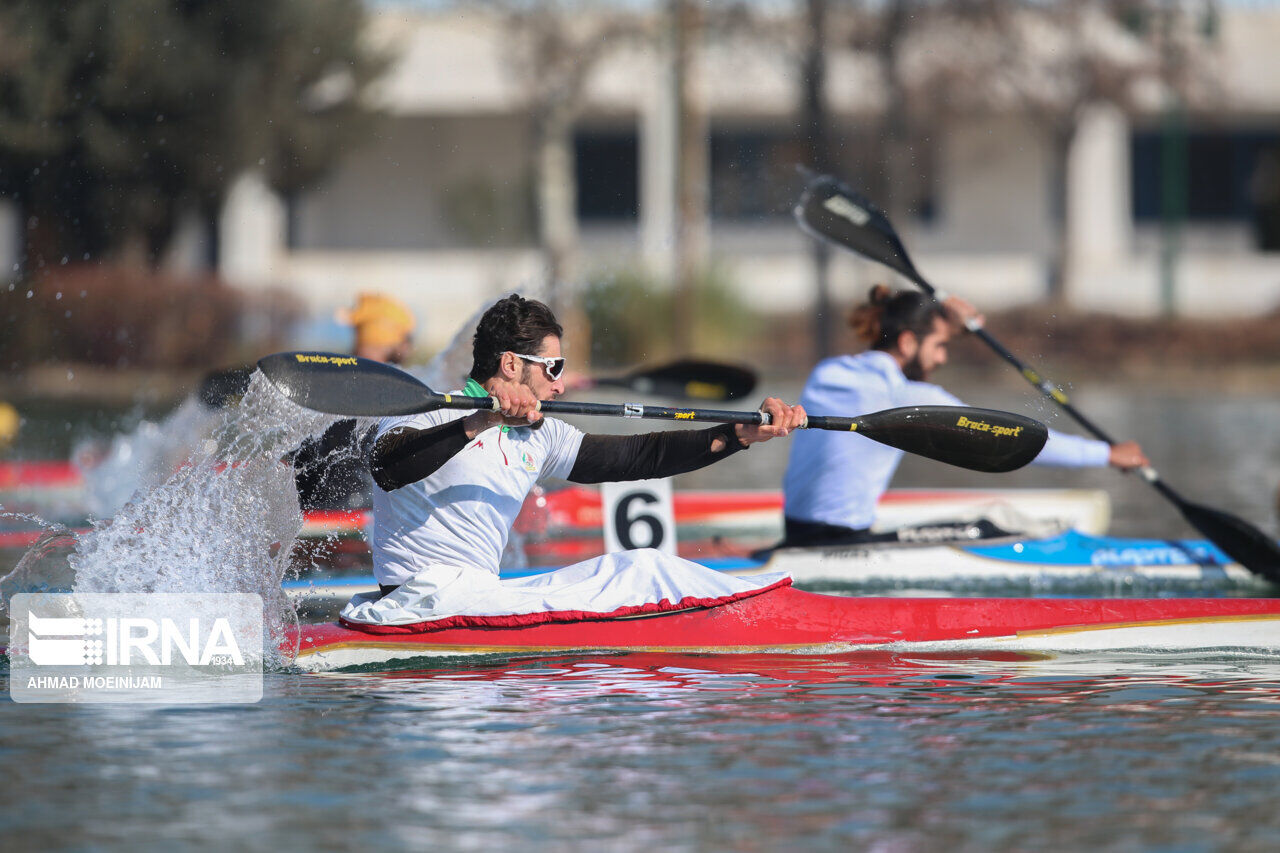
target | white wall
x=993, y=188
x=383, y=222
x=252, y=226
x=394, y=193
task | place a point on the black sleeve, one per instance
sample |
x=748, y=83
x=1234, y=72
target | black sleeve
x=407, y=455
x=326, y=469
x=619, y=458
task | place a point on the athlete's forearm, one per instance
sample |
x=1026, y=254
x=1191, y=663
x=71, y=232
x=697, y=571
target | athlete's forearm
x=407, y=455
x=1073, y=451
x=619, y=458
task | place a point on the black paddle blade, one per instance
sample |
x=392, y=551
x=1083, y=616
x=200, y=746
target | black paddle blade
x=690, y=378
x=346, y=385
x=224, y=387
x=833, y=211
x=978, y=439
x=1238, y=539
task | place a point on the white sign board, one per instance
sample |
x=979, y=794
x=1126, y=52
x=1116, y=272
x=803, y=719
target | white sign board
x=638, y=515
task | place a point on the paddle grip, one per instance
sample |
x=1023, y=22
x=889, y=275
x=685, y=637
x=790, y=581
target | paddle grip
x=827, y=422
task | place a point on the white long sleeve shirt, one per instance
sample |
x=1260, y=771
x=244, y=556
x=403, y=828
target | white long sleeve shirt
x=461, y=515
x=837, y=477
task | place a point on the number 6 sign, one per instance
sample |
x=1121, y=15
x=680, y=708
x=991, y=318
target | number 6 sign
x=638, y=515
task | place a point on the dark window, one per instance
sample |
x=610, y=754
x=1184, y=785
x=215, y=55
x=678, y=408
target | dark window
x=607, y=166
x=753, y=174
x=1220, y=181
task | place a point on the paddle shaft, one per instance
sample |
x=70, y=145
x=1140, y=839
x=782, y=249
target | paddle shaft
x=635, y=410
x=1053, y=392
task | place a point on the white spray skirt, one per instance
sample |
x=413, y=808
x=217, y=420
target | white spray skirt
x=620, y=584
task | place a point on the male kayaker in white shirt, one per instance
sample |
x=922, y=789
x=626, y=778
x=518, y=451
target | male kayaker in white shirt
x=449, y=484
x=834, y=479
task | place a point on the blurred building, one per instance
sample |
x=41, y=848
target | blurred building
x=436, y=209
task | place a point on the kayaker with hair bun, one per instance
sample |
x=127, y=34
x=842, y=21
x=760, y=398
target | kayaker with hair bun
x=449, y=485
x=834, y=480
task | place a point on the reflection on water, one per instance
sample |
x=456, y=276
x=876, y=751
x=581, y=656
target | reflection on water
x=684, y=752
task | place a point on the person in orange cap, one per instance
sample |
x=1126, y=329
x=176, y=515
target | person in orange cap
x=10, y=424
x=383, y=327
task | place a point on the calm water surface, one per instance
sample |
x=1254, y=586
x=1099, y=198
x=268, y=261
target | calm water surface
x=639, y=752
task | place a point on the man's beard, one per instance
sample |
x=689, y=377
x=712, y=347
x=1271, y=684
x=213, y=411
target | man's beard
x=524, y=380
x=914, y=371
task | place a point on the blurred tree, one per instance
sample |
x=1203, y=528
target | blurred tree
x=553, y=48
x=930, y=62
x=815, y=125
x=555, y=45
x=632, y=313
x=1049, y=61
x=116, y=116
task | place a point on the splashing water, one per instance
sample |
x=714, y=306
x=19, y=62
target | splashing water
x=226, y=521
x=147, y=455
x=44, y=567
x=142, y=458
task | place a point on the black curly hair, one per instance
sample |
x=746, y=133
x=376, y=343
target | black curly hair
x=886, y=315
x=512, y=324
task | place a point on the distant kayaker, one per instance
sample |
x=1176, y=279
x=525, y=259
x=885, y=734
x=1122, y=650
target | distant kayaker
x=449, y=484
x=834, y=480
x=10, y=424
x=332, y=471
x=383, y=328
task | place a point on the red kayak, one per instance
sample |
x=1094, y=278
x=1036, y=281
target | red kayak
x=785, y=620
